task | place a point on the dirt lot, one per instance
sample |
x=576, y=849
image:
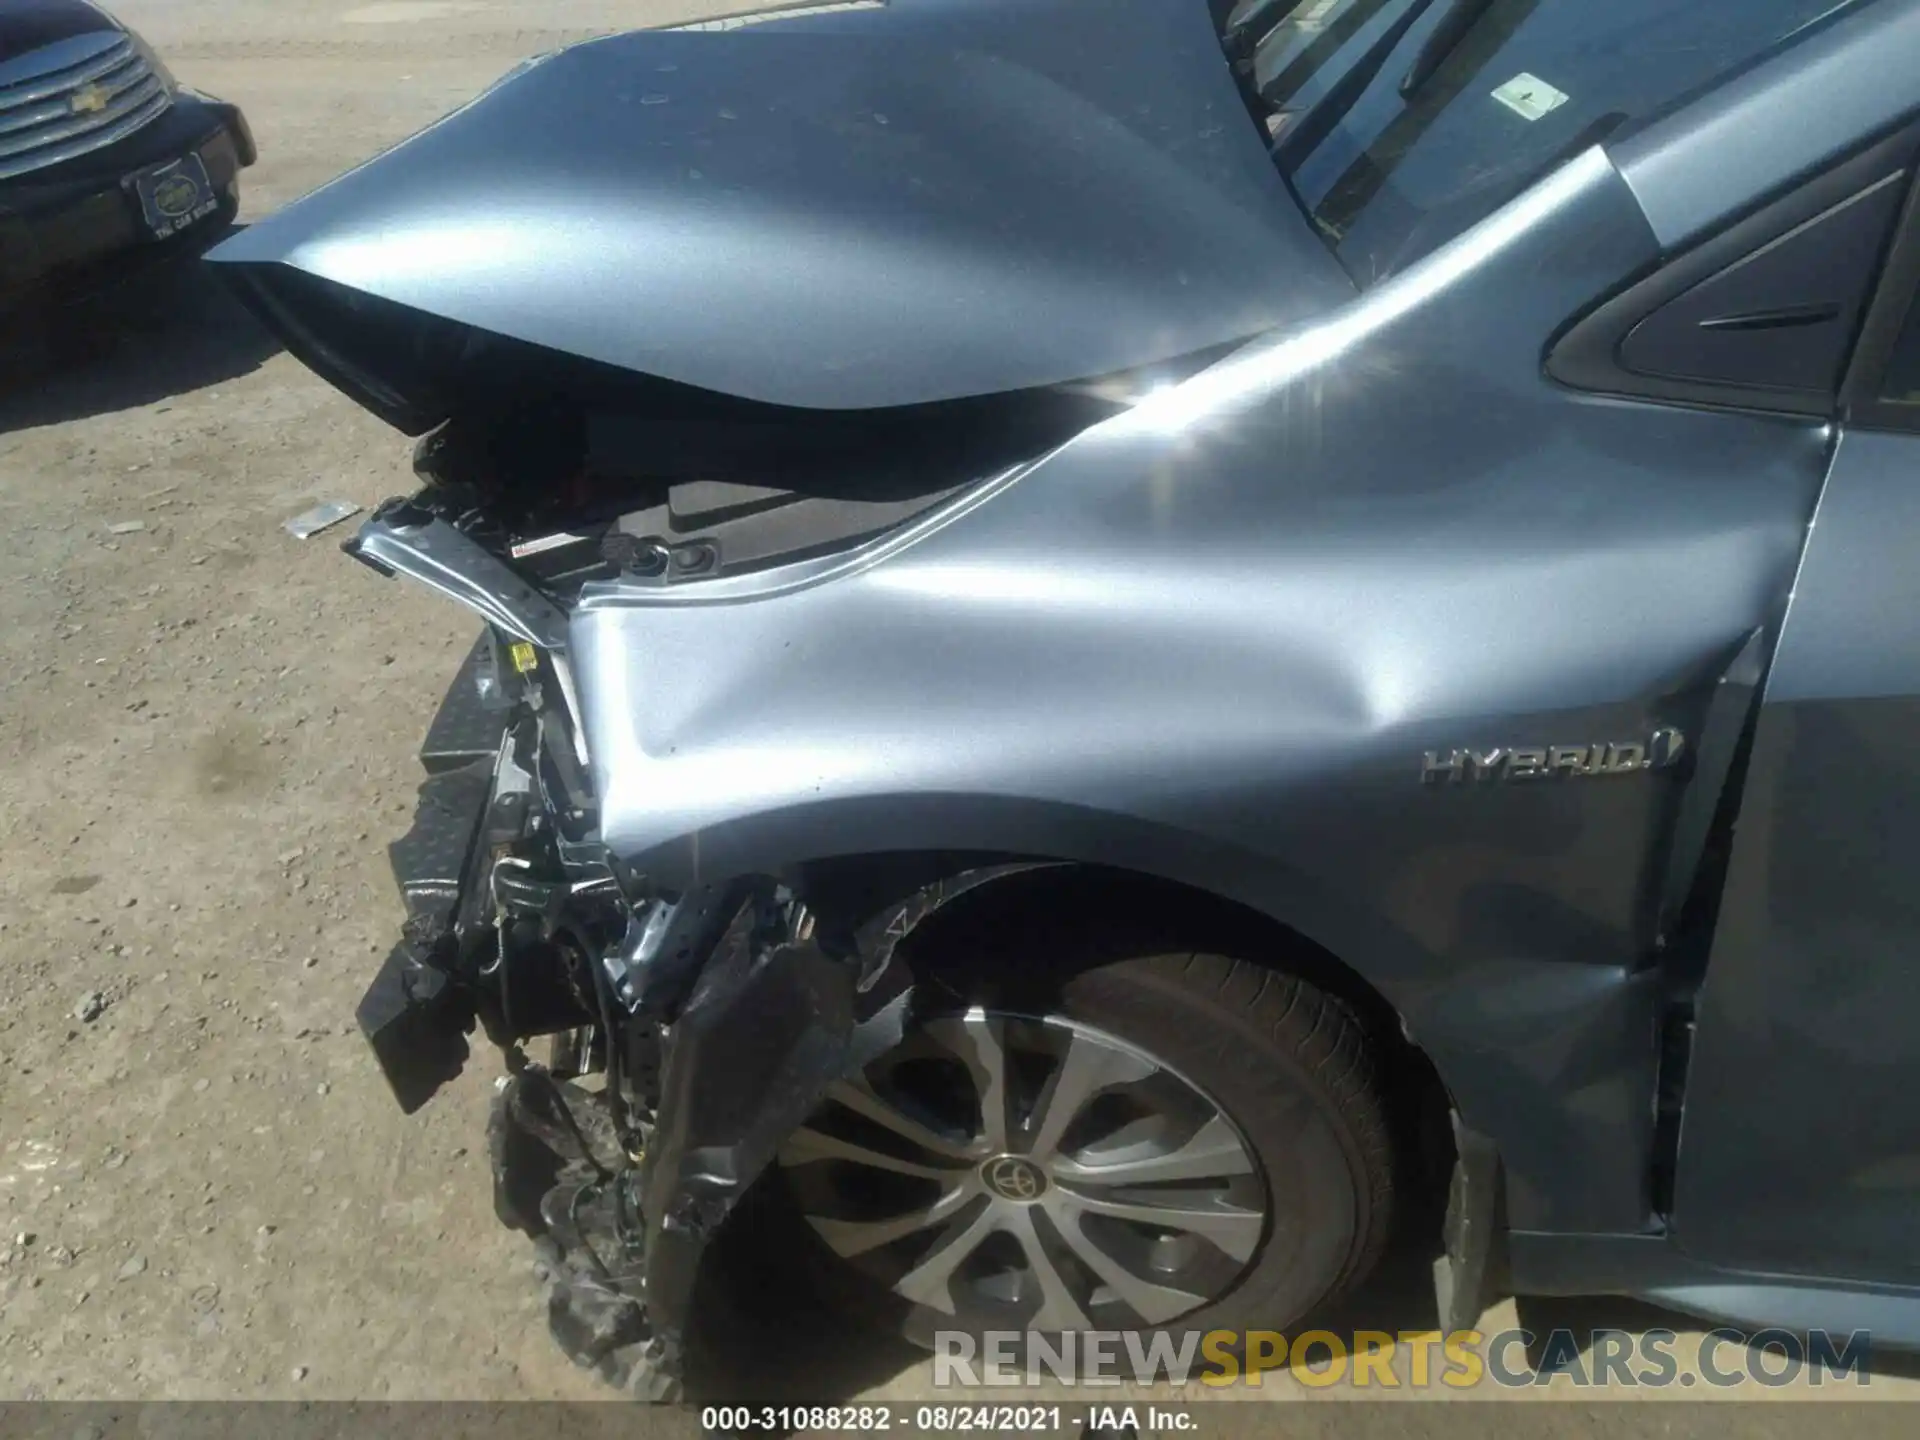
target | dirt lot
x=208, y=728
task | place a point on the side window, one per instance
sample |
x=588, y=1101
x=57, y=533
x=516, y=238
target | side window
x=1782, y=318
x=1883, y=383
x=1762, y=316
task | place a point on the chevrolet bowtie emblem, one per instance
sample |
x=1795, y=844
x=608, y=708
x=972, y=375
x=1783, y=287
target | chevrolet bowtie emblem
x=89, y=100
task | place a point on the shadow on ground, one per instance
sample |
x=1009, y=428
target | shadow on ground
x=764, y=1336
x=172, y=333
x=1584, y=1315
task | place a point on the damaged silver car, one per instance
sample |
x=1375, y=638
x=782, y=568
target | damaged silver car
x=1125, y=637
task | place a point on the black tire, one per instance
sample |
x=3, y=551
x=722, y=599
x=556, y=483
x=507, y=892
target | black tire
x=1289, y=1066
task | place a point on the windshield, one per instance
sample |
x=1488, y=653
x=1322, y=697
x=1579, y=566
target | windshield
x=1399, y=123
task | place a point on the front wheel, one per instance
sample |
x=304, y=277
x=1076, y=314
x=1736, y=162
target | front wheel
x=1156, y=1140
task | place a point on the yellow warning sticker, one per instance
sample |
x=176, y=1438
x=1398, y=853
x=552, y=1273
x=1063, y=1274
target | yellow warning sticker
x=525, y=658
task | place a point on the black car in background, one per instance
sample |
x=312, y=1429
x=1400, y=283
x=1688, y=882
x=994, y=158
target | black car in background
x=108, y=166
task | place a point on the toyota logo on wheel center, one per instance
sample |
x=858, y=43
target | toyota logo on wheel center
x=1014, y=1178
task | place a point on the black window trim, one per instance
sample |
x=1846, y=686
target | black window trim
x=1583, y=356
x=1896, y=295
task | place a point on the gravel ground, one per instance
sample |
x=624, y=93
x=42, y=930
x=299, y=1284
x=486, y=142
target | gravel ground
x=208, y=730
x=205, y=1191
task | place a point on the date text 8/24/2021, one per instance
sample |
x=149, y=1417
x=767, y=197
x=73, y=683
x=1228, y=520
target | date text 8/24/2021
x=955, y=1419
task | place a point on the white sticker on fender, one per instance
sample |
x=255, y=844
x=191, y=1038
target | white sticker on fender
x=1530, y=97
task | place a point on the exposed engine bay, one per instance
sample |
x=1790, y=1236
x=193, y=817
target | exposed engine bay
x=576, y=470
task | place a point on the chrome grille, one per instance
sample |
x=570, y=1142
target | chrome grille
x=77, y=106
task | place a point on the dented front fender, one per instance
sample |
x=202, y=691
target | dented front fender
x=1216, y=637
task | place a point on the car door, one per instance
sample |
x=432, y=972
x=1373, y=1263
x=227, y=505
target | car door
x=1800, y=1133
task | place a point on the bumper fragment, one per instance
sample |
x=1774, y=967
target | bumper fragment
x=430, y=862
x=415, y=1015
x=416, y=1024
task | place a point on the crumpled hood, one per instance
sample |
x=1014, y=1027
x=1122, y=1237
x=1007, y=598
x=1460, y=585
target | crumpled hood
x=863, y=207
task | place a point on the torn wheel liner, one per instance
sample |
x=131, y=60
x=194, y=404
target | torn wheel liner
x=765, y=1031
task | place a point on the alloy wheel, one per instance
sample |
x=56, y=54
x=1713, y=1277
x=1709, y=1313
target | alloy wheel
x=1002, y=1171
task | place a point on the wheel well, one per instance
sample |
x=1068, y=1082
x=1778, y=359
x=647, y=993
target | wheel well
x=1137, y=909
